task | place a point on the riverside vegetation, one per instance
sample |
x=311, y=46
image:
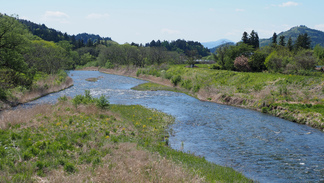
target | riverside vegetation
x=88, y=139
x=293, y=97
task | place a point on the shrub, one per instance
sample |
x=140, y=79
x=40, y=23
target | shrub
x=102, y=102
x=176, y=79
x=62, y=99
x=264, y=109
x=241, y=63
x=186, y=84
x=196, y=88
x=109, y=65
x=69, y=167
x=305, y=61
x=216, y=67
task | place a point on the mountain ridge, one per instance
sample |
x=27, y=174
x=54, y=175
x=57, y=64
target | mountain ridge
x=213, y=44
x=317, y=36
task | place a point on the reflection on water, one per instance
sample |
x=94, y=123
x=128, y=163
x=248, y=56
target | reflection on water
x=264, y=148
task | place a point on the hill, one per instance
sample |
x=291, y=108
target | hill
x=213, y=50
x=214, y=44
x=317, y=37
x=49, y=34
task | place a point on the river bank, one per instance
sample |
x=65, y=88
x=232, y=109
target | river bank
x=269, y=97
x=42, y=88
x=65, y=142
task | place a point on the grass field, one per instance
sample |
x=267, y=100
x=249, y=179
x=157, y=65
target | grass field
x=88, y=142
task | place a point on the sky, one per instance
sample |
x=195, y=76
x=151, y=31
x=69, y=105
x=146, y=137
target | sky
x=142, y=21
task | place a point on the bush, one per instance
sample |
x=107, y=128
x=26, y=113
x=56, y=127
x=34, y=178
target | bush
x=304, y=60
x=62, y=99
x=69, y=167
x=186, y=84
x=216, y=67
x=176, y=79
x=109, y=65
x=241, y=63
x=264, y=109
x=102, y=102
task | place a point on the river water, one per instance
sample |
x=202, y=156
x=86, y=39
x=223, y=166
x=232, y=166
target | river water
x=262, y=147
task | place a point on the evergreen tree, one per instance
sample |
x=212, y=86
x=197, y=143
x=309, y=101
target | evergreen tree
x=73, y=41
x=152, y=44
x=274, y=38
x=245, y=38
x=254, y=40
x=66, y=37
x=290, y=44
x=303, y=41
x=90, y=43
x=306, y=41
x=282, y=41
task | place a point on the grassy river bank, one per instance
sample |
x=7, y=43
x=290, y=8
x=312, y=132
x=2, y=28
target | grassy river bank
x=43, y=85
x=296, y=98
x=88, y=140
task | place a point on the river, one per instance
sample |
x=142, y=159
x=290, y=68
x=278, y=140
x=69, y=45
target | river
x=262, y=147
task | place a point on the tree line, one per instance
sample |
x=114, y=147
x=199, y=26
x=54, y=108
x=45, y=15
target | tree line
x=283, y=57
x=23, y=54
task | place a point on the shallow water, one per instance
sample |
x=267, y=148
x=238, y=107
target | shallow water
x=262, y=147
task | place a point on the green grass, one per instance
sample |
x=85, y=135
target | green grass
x=154, y=87
x=257, y=90
x=70, y=136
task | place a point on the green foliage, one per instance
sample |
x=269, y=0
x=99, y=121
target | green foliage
x=176, y=79
x=102, y=102
x=187, y=84
x=257, y=60
x=216, y=67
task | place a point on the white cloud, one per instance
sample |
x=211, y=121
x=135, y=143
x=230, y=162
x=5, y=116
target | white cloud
x=56, y=16
x=98, y=16
x=288, y=4
x=319, y=27
x=239, y=10
x=169, y=31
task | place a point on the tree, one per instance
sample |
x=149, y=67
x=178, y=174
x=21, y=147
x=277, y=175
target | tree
x=46, y=56
x=290, y=45
x=304, y=60
x=274, y=38
x=303, y=41
x=241, y=63
x=282, y=41
x=319, y=53
x=254, y=39
x=13, y=41
x=245, y=38
x=256, y=62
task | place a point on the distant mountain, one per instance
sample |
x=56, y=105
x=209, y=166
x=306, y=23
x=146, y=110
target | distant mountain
x=213, y=50
x=214, y=44
x=317, y=37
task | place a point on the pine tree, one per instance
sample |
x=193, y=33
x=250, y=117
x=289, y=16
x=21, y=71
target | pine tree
x=282, y=41
x=290, y=44
x=254, y=39
x=245, y=38
x=274, y=38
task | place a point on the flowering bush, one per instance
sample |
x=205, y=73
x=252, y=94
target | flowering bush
x=241, y=63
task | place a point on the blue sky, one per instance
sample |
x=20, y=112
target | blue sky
x=144, y=20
